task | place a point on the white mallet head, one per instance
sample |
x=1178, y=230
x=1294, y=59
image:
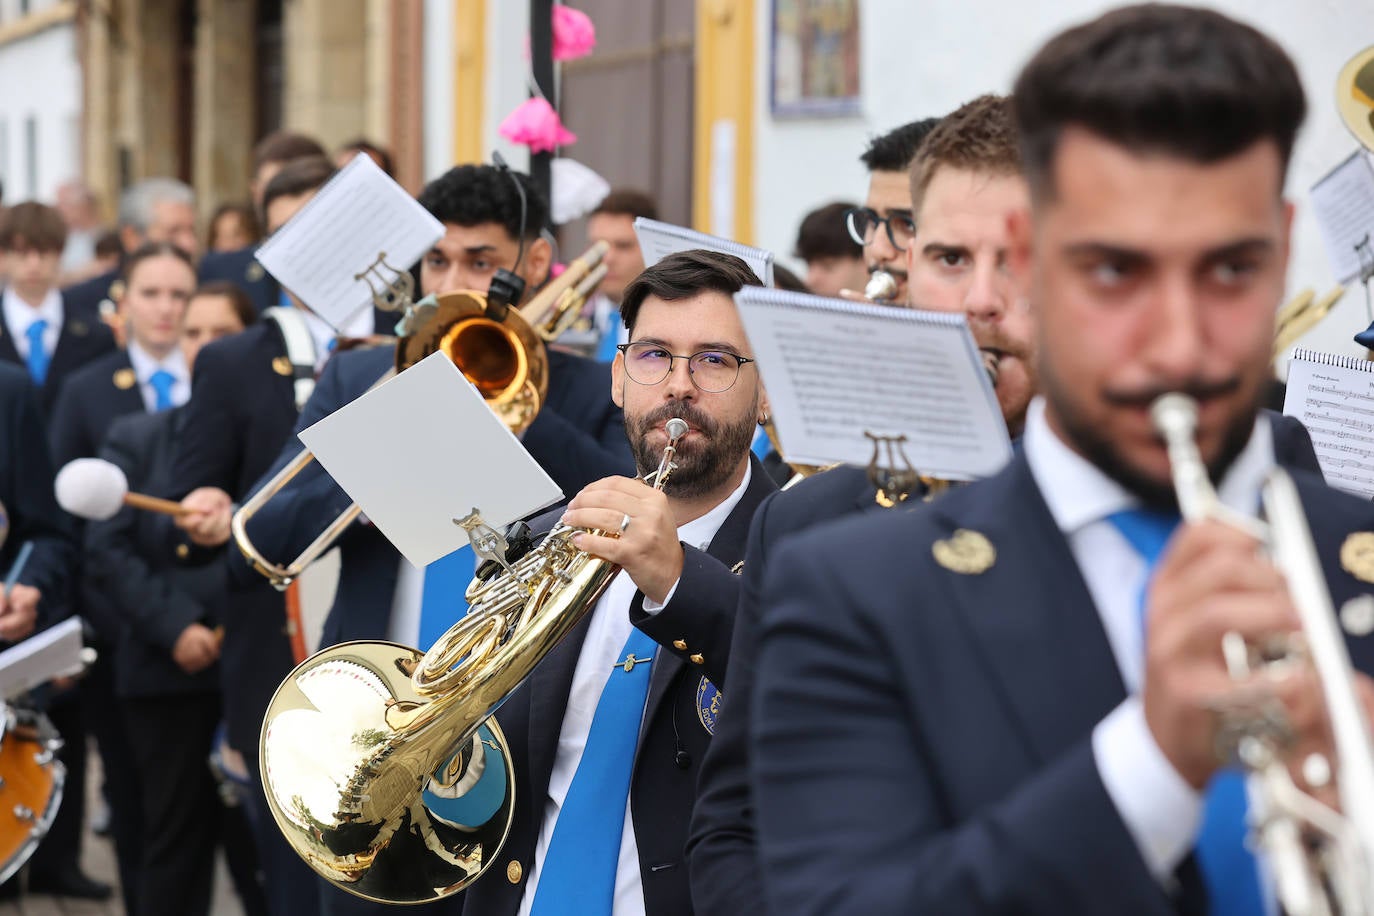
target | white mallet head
x=92, y=489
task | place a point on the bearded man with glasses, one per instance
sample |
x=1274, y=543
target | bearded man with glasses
x=608, y=732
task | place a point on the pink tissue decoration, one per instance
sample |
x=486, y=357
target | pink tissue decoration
x=536, y=125
x=574, y=35
x=557, y=270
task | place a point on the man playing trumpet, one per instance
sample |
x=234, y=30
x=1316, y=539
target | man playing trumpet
x=1009, y=702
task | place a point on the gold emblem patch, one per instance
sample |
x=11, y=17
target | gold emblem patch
x=124, y=379
x=254, y=272
x=1357, y=555
x=966, y=552
x=281, y=365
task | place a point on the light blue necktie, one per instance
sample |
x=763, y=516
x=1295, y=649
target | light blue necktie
x=1228, y=868
x=162, y=382
x=38, y=357
x=441, y=600
x=605, y=349
x=578, y=874
x=762, y=445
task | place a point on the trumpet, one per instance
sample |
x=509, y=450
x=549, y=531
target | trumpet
x=383, y=766
x=1322, y=859
x=500, y=350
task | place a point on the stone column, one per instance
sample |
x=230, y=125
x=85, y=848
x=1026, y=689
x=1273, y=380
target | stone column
x=325, y=55
x=225, y=101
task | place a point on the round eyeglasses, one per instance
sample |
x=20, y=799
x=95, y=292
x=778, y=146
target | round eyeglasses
x=863, y=226
x=711, y=370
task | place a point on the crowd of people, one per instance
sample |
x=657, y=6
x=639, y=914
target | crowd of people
x=998, y=699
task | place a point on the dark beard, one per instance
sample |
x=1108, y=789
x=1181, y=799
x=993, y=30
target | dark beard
x=702, y=465
x=1099, y=450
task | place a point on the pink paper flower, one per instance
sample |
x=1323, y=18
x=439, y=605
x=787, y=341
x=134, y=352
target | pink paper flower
x=536, y=125
x=574, y=35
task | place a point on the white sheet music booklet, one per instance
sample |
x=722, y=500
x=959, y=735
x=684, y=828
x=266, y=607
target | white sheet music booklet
x=55, y=652
x=658, y=240
x=1333, y=396
x=324, y=252
x=835, y=370
x=424, y=449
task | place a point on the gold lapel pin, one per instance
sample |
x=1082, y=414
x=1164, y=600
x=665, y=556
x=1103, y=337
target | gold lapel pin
x=124, y=379
x=1357, y=555
x=281, y=365
x=965, y=552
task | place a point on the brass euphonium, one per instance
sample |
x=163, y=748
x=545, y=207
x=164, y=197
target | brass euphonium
x=500, y=349
x=1322, y=859
x=382, y=765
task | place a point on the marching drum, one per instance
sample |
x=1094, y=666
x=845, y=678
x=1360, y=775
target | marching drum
x=31, y=779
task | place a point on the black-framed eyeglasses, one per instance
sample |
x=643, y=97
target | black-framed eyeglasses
x=863, y=226
x=711, y=370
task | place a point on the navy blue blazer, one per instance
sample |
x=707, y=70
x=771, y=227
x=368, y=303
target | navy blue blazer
x=241, y=267
x=921, y=738
x=723, y=847
x=86, y=296
x=673, y=737
x=578, y=437
x=93, y=397
x=27, y=504
x=156, y=597
x=83, y=338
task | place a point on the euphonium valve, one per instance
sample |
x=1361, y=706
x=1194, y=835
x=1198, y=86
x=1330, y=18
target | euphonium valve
x=382, y=765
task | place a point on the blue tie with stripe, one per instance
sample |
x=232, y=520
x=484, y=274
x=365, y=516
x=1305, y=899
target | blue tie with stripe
x=441, y=601
x=162, y=382
x=38, y=360
x=1228, y=868
x=578, y=874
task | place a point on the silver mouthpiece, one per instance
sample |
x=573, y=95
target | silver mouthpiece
x=990, y=366
x=676, y=429
x=882, y=287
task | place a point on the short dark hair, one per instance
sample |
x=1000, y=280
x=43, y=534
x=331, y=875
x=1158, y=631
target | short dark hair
x=364, y=145
x=32, y=225
x=244, y=211
x=150, y=250
x=979, y=136
x=785, y=279
x=686, y=274
x=470, y=195
x=627, y=202
x=237, y=296
x=284, y=146
x=894, y=150
x=297, y=177
x=1155, y=78
x=108, y=245
x=824, y=234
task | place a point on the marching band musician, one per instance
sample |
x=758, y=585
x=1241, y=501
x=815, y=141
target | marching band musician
x=1001, y=703
x=606, y=732
x=578, y=435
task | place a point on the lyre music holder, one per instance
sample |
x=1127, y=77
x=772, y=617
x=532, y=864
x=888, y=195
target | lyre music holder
x=391, y=294
x=489, y=544
x=890, y=470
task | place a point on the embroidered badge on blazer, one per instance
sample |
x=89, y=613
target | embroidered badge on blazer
x=124, y=379
x=1357, y=555
x=708, y=705
x=965, y=552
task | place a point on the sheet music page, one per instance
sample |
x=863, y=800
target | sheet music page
x=1336, y=404
x=835, y=369
x=658, y=240
x=1343, y=201
x=55, y=652
x=423, y=449
x=359, y=214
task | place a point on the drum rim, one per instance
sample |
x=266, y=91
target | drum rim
x=50, y=741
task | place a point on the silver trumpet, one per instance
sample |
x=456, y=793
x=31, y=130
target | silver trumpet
x=1322, y=859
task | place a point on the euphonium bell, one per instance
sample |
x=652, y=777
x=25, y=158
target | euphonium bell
x=382, y=765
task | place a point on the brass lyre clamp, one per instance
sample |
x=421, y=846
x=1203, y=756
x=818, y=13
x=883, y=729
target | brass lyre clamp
x=890, y=470
x=489, y=544
x=392, y=290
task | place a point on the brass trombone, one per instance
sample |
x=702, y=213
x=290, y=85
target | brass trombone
x=501, y=351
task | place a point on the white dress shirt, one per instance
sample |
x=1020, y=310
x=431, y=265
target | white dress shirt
x=606, y=634
x=145, y=364
x=19, y=315
x=324, y=335
x=1162, y=812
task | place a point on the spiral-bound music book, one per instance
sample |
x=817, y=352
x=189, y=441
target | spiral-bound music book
x=658, y=240
x=1333, y=396
x=324, y=253
x=835, y=370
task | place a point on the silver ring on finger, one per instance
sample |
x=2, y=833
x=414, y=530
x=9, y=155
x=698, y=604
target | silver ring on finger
x=624, y=522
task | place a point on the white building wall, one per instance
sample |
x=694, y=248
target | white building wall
x=921, y=59
x=43, y=101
